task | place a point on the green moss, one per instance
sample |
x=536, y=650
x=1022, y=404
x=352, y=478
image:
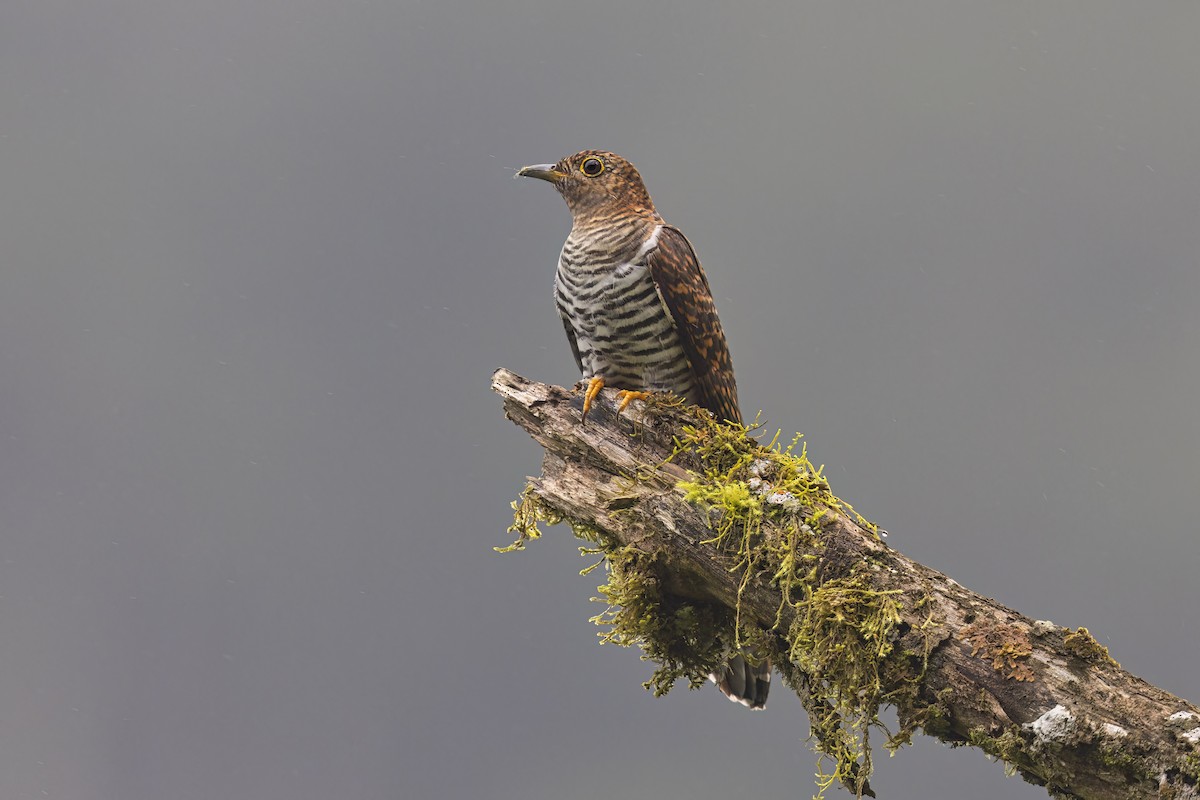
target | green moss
x=529, y=511
x=1190, y=768
x=935, y=718
x=839, y=644
x=840, y=639
x=1084, y=646
x=835, y=632
x=1119, y=759
x=686, y=640
x=1009, y=747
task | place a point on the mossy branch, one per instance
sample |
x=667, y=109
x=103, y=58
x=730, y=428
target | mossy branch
x=715, y=542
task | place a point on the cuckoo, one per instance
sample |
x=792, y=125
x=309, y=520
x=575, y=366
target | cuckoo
x=639, y=315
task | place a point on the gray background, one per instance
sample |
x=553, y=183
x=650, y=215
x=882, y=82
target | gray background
x=260, y=259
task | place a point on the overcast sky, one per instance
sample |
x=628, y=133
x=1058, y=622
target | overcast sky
x=261, y=258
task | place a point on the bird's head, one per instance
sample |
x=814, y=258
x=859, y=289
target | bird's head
x=597, y=185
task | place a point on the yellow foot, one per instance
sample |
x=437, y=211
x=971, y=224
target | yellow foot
x=628, y=397
x=593, y=388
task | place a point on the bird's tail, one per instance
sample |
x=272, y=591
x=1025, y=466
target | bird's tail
x=743, y=682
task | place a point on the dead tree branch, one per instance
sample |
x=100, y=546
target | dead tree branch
x=1047, y=700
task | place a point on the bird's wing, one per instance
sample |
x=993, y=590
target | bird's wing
x=571, y=336
x=683, y=289
x=574, y=343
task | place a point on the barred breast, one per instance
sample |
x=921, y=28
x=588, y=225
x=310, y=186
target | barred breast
x=623, y=332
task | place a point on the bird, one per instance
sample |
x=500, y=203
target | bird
x=640, y=317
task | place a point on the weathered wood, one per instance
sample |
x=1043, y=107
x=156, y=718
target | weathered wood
x=1046, y=699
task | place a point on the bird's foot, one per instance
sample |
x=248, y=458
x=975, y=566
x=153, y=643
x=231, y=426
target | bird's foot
x=593, y=388
x=627, y=396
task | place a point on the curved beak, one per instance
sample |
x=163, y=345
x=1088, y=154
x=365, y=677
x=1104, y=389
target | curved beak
x=545, y=172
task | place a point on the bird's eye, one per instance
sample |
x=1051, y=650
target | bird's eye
x=591, y=167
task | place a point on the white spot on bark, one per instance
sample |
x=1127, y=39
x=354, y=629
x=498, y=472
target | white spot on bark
x=1054, y=726
x=1192, y=736
x=1181, y=716
x=1114, y=731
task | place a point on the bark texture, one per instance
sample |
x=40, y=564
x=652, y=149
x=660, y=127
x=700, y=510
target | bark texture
x=1047, y=700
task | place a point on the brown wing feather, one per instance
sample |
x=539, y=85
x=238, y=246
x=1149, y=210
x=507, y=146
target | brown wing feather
x=574, y=340
x=684, y=290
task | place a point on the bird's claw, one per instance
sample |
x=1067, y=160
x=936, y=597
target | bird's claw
x=627, y=396
x=594, y=385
